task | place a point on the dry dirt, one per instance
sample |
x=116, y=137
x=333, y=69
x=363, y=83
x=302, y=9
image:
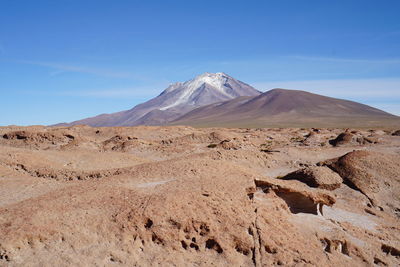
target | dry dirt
x=181, y=196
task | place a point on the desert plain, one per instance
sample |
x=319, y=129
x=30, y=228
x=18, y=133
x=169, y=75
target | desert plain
x=184, y=196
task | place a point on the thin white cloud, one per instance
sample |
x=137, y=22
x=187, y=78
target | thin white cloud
x=148, y=91
x=389, y=87
x=387, y=35
x=62, y=68
x=391, y=108
x=348, y=60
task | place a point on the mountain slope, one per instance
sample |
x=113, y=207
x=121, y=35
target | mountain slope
x=280, y=107
x=176, y=100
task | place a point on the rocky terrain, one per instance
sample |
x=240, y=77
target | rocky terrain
x=183, y=196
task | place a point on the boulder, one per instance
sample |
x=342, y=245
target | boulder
x=372, y=173
x=319, y=177
x=343, y=139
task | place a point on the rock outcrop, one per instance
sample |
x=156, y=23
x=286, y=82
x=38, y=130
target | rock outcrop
x=319, y=176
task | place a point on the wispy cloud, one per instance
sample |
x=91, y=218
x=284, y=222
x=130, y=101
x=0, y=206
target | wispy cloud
x=347, y=60
x=387, y=35
x=136, y=92
x=383, y=87
x=63, y=68
x=146, y=91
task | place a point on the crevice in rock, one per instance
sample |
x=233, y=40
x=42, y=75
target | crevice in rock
x=253, y=249
x=195, y=246
x=242, y=250
x=204, y=229
x=389, y=250
x=148, y=224
x=259, y=241
x=379, y=262
x=335, y=245
x=184, y=245
x=156, y=239
x=256, y=250
x=270, y=250
x=175, y=224
x=212, y=244
x=4, y=256
x=114, y=259
x=298, y=203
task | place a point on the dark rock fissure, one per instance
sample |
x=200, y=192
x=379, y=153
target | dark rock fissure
x=212, y=244
x=148, y=224
x=390, y=250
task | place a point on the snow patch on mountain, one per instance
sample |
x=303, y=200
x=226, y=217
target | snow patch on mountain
x=215, y=80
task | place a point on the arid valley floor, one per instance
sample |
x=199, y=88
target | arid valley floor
x=183, y=196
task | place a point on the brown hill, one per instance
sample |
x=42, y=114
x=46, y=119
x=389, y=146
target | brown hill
x=281, y=107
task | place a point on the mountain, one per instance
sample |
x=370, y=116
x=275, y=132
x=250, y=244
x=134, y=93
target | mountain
x=176, y=100
x=280, y=108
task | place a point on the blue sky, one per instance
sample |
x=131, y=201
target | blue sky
x=66, y=60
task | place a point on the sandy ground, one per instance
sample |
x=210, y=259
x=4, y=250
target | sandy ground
x=183, y=196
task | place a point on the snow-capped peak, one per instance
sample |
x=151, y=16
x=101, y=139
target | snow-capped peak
x=216, y=80
x=204, y=89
